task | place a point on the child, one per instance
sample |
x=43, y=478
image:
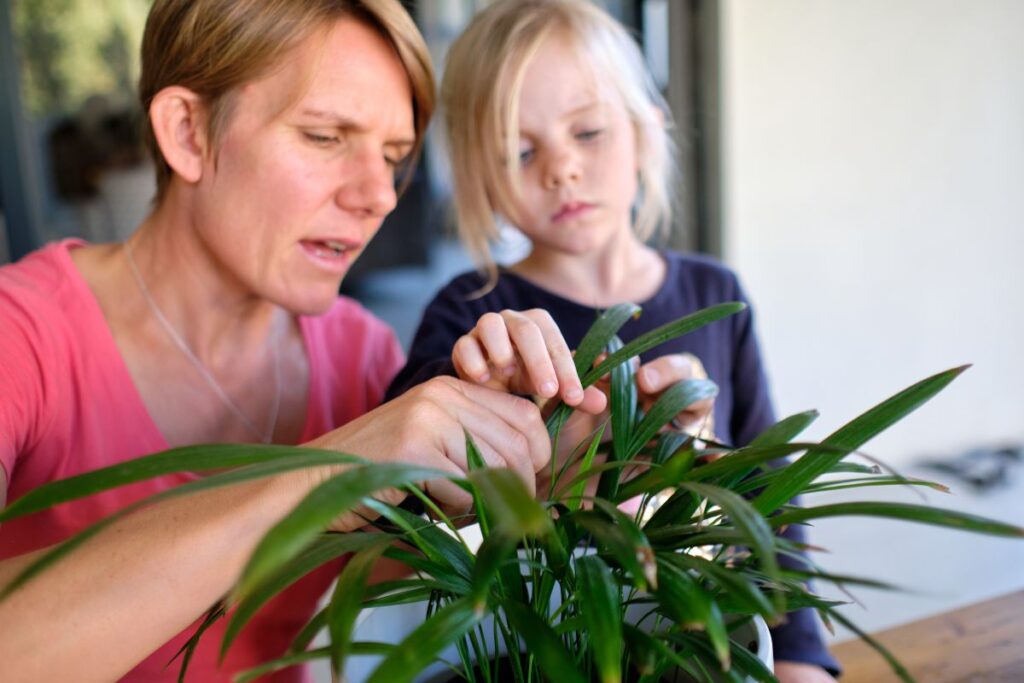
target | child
x=555, y=126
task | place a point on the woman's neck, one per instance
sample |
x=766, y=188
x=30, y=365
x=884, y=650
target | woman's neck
x=626, y=270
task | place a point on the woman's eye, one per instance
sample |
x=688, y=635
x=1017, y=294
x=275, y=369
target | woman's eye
x=320, y=139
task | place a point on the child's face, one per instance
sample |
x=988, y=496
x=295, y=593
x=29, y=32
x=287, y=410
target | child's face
x=578, y=156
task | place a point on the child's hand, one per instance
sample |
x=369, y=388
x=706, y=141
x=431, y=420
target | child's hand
x=523, y=352
x=656, y=376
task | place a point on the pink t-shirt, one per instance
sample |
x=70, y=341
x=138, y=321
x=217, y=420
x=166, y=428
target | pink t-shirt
x=68, y=405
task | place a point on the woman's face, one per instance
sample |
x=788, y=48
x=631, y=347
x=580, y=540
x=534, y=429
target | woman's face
x=303, y=174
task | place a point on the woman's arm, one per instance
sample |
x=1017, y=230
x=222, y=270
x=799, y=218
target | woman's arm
x=141, y=581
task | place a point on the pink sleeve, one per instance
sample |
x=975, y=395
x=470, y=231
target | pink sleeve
x=23, y=381
x=390, y=359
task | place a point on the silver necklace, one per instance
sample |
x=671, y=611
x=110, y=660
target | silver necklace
x=267, y=435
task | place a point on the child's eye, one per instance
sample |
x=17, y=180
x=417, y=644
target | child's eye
x=525, y=156
x=590, y=134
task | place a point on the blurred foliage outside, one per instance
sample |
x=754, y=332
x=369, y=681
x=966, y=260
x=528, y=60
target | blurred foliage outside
x=71, y=50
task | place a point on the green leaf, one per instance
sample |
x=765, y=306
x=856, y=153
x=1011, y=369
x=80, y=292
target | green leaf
x=692, y=607
x=296, y=460
x=745, y=518
x=323, y=550
x=423, y=645
x=636, y=544
x=186, y=459
x=317, y=510
x=600, y=607
x=296, y=658
x=435, y=543
x=575, y=497
x=346, y=602
x=509, y=503
x=852, y=436
x=672, y=401
x=493, y=553
x=600, y=333
x=543, y=644
x=911, y=513
x=188, y=649
x=660, y=335
x=615, y=540
x=894, y=663
x=622, y=404
x=659, y=477
x=731, y=580
x=785, y=430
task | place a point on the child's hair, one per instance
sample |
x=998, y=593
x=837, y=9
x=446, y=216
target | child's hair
x=480, y=92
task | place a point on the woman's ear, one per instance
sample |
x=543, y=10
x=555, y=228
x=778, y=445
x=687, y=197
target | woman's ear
x=178, y=118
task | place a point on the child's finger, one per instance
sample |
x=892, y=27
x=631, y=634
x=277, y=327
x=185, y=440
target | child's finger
x=569, y=386
x=659, y=374
x=532, y=347
x=469, y=360
x=494, y=335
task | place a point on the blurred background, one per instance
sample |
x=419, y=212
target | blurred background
x=860, y=164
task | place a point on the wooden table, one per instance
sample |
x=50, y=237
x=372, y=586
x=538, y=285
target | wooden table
x=980, y=643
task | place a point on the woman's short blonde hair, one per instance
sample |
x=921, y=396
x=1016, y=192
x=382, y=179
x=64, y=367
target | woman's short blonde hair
x=213, y=47
x=483, y=78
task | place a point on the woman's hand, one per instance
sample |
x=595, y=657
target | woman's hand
x=523, y=352
x=427, y=426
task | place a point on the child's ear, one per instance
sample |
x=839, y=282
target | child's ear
x=178, y=118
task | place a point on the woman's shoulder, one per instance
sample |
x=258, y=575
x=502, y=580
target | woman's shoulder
x=42, y=289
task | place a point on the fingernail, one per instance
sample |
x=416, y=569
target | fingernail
x=651, y=376
x=485, y=377
x=548, y=388
x=574, y=395
x=508, y=370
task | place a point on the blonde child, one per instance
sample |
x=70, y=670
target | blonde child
x=555, y=126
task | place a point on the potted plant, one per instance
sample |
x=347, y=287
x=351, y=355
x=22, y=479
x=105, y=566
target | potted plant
x=571, y=587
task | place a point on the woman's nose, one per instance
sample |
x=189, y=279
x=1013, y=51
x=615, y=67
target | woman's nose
x=370, y=190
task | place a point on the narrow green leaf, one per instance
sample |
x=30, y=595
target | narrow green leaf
x=659, y=477
x=493, y=553
x=600, y=607
x=186, y=459
x=660, y=335
x=215, y=614
x=575, y=498
x=509, y=503
x=732, y=581
x=636, y=542
x=693, y=608
x=296, y=658
x=346, y=602
x=852, y=436
x=622, y=403
x=317, y=510
x=600, y=333
x=326, y=548
x=672, y=401
x=615, y=541
x=785, y=430
x=267, y=468
x=420, y=647
x=435, y=543
x=543, y=643
x=911, y=513
x=759, y=537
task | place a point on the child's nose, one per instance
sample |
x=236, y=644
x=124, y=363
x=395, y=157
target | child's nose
x=561, y=170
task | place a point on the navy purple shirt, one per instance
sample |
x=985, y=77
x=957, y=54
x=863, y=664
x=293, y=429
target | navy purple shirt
x=728, y=349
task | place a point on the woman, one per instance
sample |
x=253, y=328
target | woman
x=278, y=126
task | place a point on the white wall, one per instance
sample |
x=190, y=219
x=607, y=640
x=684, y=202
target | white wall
x=873, y=160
